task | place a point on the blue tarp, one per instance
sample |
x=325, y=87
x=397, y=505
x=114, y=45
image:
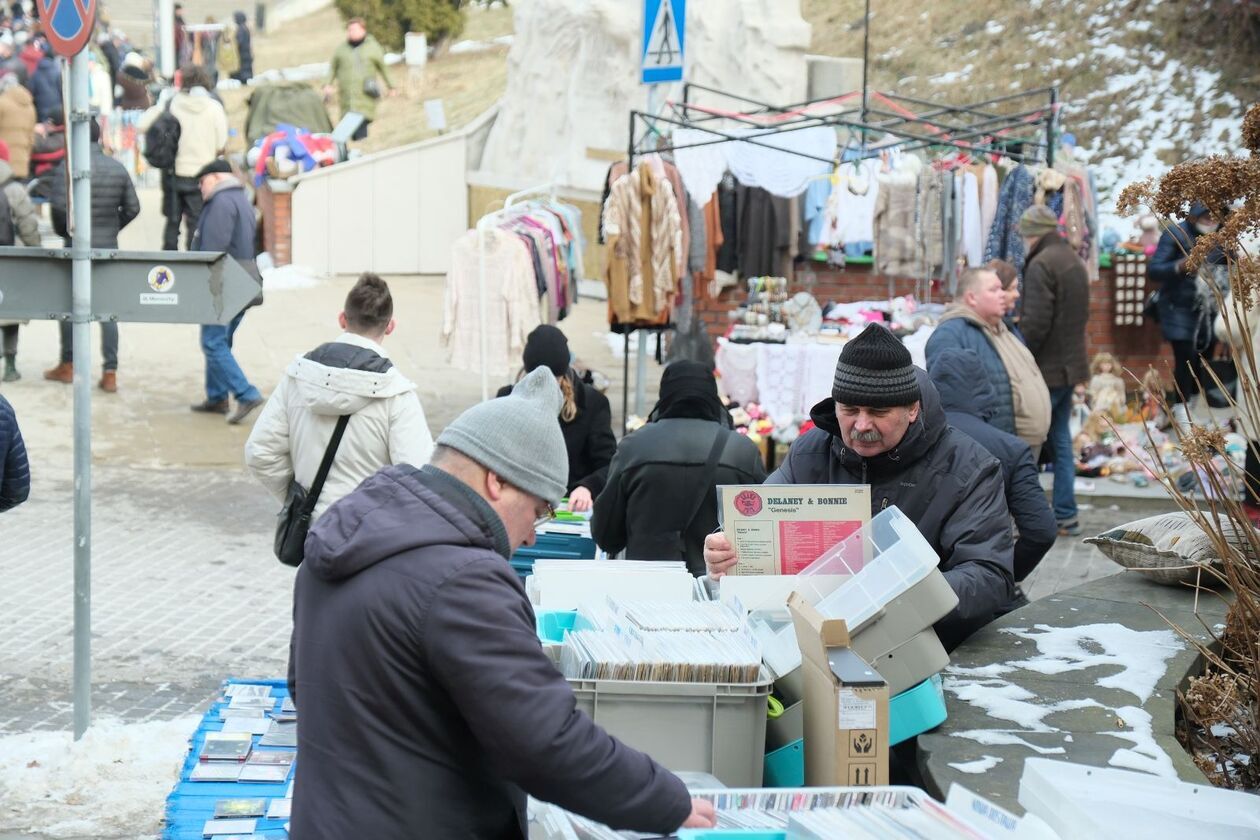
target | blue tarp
x=192, y=803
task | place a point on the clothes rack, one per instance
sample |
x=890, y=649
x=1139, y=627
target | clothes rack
x=484, y=224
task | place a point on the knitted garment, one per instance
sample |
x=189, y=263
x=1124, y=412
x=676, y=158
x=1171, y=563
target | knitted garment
x=1015, y=196
x=931, y=228
x=737, y=365
x=875, y=371
x=896, y=239
x=638, y=200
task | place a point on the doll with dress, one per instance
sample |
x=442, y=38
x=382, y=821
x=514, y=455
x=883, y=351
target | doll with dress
x=1106, y=389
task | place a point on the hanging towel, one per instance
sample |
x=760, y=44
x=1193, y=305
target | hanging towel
x=782, y=173
x=701, y=167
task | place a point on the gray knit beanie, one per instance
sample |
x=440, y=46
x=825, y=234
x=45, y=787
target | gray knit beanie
x=875, y=371
x=518, y=437
x=1038, y=220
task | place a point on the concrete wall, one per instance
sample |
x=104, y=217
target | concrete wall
x=394, y=212
x=281, y=12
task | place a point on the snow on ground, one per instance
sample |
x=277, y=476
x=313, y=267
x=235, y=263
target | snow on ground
x=112, y=783
x=980, y=765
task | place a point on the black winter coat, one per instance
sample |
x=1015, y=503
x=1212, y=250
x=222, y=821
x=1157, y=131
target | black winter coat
x=945, y=482
x=428, y=706
x=244, y=47
x=1056, y=309
x=15, y=472
x=970, y=403
x=114, y=200
x=653, y=487
x=1182, y=315
x=588, y=437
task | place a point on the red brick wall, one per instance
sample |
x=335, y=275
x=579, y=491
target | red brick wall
x=277, y=218
x=1135, y=346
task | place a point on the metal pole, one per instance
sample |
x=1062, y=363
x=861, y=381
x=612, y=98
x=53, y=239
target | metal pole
x=167, y=60
x=79, y=166
x=640, y=374
x=866, y=59
x=482, y=339
x=1050, y=126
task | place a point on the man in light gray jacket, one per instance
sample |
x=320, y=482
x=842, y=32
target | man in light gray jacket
x=352, y=375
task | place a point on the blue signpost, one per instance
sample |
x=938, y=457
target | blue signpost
x=664, y=41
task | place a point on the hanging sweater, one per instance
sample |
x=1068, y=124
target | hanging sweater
x=896, y=240
x=643, y=228
x=511, y=310
x=1016, y=196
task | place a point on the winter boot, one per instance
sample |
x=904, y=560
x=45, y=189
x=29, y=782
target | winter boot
x=109, y=382
x=10, y=368
x=63, y=372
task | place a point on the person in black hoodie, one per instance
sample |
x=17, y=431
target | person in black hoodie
x=244, y=48
x=428, y=706
x=586, y=418
x=969, y=401
x=883, y=426
x=660, y=500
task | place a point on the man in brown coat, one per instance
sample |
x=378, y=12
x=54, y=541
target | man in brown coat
x=17, y=124
x=1056, y=308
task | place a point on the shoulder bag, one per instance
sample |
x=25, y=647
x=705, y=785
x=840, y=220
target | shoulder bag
x=294, y=519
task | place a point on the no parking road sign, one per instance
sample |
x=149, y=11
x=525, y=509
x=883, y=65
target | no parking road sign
x=664, y=33
x=68, y=24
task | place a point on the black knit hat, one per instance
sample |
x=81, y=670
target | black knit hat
x=875, y=371
x=546, y=346
x=688, y=389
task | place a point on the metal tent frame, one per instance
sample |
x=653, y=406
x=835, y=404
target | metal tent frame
x=977, y=128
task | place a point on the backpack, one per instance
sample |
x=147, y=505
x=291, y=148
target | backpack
x=161, y=141
x=7, y=233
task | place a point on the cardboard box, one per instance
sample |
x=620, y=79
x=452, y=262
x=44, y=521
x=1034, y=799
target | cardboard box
x=846, y=704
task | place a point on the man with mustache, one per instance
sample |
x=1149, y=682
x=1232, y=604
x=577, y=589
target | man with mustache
x=884, y=426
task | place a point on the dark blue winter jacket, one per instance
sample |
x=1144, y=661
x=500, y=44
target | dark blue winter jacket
x=227, y=223
x=428, y=706
x=968, y=401
x=1181, y=314
x=964, y=331
x=45, y=87
x=15, y=472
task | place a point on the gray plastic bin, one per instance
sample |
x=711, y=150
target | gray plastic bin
x=904, y=617
x=911, y=663
x=718, y=729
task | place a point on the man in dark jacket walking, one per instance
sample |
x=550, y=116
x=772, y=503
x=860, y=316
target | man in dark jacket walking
x=1184, y=314
x=660, y=500
x=114, y=206
x=969, y=402
x=244, y=48
x=428, y=706
x=226, y=224
x=883, y=426
x=15, y=472
x=1056, y=309
x=45, y=85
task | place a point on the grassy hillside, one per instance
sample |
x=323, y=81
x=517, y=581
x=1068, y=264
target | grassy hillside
x=1140, y=88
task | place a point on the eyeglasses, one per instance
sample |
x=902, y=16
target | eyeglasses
x=544, y=518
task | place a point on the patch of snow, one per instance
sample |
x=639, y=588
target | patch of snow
x=1146, y=755
x=114, y=781
x=289, y=277
x=953, y=76
x=1067, y=738
x=1005, y=701
x=1142, y=655
x=980, y=765
x=1223, y=730
x=1006, y=738
x=462, y=47
x=997, y=669
x=994, y=28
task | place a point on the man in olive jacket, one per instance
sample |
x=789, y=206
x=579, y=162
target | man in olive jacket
x=428, y=708
x=353, y=73
x=1056, y=308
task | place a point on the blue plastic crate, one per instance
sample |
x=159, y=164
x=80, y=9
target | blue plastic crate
x=552, y=546
x=553, y=624
x=916, y=710
x=785, y=767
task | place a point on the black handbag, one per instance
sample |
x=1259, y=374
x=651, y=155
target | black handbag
x=294, y=520
x=672, y=545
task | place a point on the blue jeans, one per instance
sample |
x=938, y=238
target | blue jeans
x=1064, y=496
x=223, y=375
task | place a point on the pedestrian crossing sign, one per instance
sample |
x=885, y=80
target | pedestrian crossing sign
x=664, y=29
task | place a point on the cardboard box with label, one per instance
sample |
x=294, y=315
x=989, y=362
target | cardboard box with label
x=846, y=704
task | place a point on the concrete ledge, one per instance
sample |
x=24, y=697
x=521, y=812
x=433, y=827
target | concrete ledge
x=1003, y=705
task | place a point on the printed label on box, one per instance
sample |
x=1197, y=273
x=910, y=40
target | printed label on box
x=861, y=775
x=863, y=743
x=855, y=712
